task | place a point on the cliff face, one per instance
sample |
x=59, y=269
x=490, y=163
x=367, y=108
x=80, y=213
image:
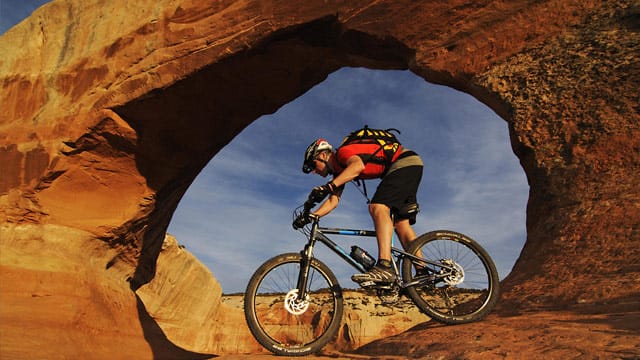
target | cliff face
x=575, y=120
x=107, y=119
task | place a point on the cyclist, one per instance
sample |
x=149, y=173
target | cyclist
x=395, y=195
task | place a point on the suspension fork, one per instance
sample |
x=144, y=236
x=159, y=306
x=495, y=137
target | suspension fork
x=305, y=263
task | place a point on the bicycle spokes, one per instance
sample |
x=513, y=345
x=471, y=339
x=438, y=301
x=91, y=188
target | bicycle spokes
x=281, y=320
x=457, y=288
x=450, y=291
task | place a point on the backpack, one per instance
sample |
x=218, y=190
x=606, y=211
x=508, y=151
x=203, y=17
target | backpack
x=377, y=148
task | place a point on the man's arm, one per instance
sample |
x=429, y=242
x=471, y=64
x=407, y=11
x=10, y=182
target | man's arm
x=328, y=205
x=355, y=166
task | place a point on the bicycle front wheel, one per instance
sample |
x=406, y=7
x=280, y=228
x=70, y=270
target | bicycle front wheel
x=456, y=281
x=279, y=319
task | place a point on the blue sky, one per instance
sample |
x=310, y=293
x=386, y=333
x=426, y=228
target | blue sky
x=238, y=212
x=14, y=11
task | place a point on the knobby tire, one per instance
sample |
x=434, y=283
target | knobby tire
x=276, y=328
x=453, y=299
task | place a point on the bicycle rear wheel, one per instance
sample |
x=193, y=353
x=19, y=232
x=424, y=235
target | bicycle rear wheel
x=463, y=284
x=279, y=320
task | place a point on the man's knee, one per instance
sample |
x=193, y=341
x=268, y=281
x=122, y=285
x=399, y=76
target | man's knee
x=378, y=209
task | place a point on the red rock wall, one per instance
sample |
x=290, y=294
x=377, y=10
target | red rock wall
x=104, y=124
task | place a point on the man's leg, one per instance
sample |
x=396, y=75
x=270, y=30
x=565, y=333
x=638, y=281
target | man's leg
x=405, y=233
x=407, y=236
x=382, y=272
x=383, y=224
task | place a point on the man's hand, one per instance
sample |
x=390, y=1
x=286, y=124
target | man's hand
x=320, y=192
x=303, y=220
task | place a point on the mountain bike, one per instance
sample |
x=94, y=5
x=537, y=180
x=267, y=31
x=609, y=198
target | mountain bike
x=293, y=303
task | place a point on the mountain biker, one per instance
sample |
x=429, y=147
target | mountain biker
x=394, y=204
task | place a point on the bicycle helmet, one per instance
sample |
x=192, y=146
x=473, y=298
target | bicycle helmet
x=313, y=150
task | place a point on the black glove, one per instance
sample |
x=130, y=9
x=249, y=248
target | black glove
x=303, y=220
x=320, y=192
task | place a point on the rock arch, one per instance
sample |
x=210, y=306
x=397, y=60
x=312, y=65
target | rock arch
x=104, y=129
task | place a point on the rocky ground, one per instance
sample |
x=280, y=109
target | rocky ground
x=605, y=331
x=30, y=288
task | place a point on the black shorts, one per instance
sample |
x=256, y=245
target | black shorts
x=398, y=191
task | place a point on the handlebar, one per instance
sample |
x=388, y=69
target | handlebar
x=302, y=218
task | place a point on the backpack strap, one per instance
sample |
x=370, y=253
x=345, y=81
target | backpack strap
x=382, y=137
x=357, y=183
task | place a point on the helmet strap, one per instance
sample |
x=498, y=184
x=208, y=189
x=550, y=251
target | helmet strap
x=327, y=163
x=329, y=167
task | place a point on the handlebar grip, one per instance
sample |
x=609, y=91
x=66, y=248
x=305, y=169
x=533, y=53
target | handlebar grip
x=309, y=204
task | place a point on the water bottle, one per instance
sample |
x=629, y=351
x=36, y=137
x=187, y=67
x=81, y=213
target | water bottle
x=362, y=257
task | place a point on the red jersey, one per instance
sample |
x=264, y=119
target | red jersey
x=372, y=155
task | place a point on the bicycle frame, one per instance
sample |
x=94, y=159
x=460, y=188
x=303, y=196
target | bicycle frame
x=317, y=233
x=294, y=303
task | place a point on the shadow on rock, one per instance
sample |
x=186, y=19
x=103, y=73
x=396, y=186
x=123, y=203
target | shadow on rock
x=161, y=347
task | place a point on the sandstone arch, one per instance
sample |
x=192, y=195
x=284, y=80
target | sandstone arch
x=108, y=120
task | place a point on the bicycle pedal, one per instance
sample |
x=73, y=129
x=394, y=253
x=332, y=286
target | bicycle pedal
x=367, y=284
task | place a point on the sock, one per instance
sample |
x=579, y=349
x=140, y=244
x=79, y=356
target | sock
x=384, y=263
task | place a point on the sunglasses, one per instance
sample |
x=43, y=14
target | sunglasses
x=309, y=166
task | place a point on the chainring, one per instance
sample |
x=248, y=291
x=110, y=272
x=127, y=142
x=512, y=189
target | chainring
x=389, y=296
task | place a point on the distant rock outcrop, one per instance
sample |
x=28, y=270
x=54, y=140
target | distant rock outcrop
x=110, y=110
x=222, y=328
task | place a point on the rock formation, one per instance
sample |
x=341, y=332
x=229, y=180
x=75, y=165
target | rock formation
x=109, y=111
x=222, y=328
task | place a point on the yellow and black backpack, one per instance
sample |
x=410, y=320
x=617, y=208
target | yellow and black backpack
x=377, y=148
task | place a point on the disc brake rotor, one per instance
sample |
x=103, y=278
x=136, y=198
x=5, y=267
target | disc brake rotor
x=293, y=305
x=456, y=276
